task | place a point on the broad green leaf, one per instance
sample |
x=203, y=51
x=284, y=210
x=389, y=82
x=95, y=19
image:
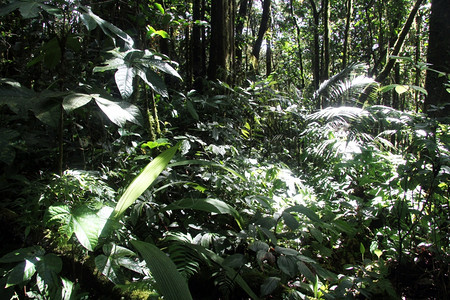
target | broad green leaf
x=115, y=257
x=118, y=112
x=258, y=245
x=269, y=285
x=111, y=64
x=191, y=110
x=290, y=220
x=231, y=274
x=89, y=19
x=206, y=163
x=124, y=79
x=288, y=265
x=420, y=89
x=208, y=205
x=48, y=268
x=400, y=89
x=235, y=260
x=109, y=268
x=171, y=284
x=304, y=210
x=286, y=251
x=164, y=66
x=4, y=10
x=22, y=254
x=75, y=100
x=144, y=180
x=87, y=227
x=65, y=292
x=22, y=272
x=154, y=81
x=159, y=7
x=303, y=268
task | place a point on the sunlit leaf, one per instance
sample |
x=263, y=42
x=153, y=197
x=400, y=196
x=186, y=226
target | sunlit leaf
x=75, y=100
x=124, y=79
x=170, y=282
x=400, y=89
x=144, y=180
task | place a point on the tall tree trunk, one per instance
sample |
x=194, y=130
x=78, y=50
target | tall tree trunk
x=196, y=45
x=299, y=47
x=418, y=51
x=222, y=40
x=316, y=48
x=439, y=57
x=348, y=22
x=399, y=42
x=262, y=29
x=240, y=22
x=268, y=58
x=326, y=40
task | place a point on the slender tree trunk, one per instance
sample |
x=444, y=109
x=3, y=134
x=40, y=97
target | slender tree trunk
x=348, y=22
x=399, y=42
x=239, y=46
x=417, y=59
x=268, y=58
x=196, y=45
x=299, y=47
x=262, y=29
x=439, y=57
x=316, y=48
x=326, y=40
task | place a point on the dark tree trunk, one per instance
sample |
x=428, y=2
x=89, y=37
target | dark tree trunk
x=262, y=29
x=300, y=56
x=222, y=40
x=240, y=22
x=348, y=22
x=198, y=71
x=316, y=48
x=326, y=40
x=439, y=57
x=399, y=42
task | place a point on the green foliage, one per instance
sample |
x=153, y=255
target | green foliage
x=263, y=195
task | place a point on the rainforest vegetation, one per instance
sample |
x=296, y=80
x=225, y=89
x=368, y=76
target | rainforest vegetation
x=224, y=149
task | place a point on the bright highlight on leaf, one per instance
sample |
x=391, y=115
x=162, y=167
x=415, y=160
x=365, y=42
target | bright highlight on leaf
x=144, y=180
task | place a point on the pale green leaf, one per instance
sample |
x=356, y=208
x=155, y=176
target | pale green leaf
x=400, y=89
x=159, y=7
x=124, y=79
x=144, y=180
x=118, y=112
x=111, y=64
x=170, y=282
x=208, y=205
x=305, y=211
x=75, y=100
x=206, y=163
x=21, y=272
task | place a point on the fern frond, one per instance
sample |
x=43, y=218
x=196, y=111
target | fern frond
x=345, y=87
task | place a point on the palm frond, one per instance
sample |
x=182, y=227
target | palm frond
x=345, y=87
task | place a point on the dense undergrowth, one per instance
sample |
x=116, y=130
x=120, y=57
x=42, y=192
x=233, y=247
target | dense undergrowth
x=245, y=193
